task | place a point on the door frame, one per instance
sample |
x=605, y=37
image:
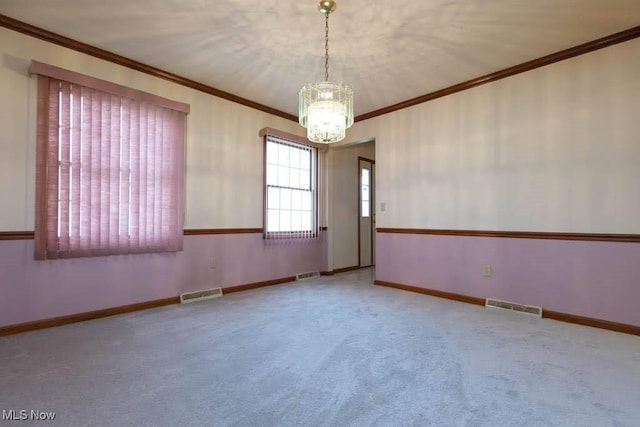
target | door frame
x=372, y=208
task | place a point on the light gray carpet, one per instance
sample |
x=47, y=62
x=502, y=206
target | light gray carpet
x=333, y=351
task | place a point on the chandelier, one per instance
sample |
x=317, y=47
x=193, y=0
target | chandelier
x=326, y=108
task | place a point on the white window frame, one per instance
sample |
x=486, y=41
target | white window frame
x=274, y=187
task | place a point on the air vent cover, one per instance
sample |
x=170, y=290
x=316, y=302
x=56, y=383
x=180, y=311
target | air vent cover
x=200, y=295
x=514, y=306
x=302, y=276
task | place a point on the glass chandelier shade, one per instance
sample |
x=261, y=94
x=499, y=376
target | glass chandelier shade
x=326, y=110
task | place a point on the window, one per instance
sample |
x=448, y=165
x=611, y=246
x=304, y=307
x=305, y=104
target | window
x=364, y=192
x=290, y=189
x=109, y=169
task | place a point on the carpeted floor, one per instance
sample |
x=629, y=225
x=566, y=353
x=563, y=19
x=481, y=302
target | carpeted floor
x=333, y=351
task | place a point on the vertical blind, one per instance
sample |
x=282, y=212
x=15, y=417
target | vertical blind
x=110, y=173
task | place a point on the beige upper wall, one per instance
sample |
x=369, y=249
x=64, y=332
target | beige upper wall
x=223, y=150
x=553, y=149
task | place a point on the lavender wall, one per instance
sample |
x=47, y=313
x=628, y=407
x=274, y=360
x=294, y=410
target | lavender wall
x=34, y=290
x=224, y=186
x=593, y=279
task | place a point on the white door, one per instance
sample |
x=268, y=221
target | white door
x=366, y=211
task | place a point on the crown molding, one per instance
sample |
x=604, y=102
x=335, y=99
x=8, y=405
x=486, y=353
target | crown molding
x=601, y=43
x=42, y=34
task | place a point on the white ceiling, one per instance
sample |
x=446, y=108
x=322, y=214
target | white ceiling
x=387, y=51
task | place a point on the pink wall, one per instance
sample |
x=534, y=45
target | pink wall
x=593, y=279
x=34, y=290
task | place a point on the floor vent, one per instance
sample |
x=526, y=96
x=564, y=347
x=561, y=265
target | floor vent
x=514, y=306
x=302, y=276
x=200, y=295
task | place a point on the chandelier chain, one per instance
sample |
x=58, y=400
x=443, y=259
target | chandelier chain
x=326, y=108
x=326, y=46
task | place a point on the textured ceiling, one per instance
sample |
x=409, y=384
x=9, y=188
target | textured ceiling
x=387, y=51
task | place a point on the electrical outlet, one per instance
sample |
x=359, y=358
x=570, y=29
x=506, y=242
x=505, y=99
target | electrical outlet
x=487, y=270
x=214, y=263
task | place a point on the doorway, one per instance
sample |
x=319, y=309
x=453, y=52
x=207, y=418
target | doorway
x=366, y=212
